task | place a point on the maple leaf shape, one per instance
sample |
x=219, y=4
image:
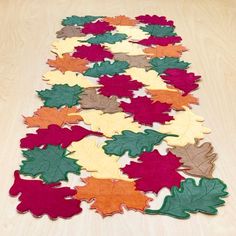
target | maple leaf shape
x=51, y=164
x=107, y=38
x=121, y=20
x=98, y=27
x=92, y=53
x=118, y=85
x=192, y=130
x=174, y=98
x=68, y=63
x=133, y=33
x=110, y=195
x=69, y=32
x=181, y=79
x=146, y=112
x=154, y=20
x=154, y=171
x=198, y=160
x=55, y=135
x=79, y=20
x=162, y=41
x=46, y=116
x=40, y=198
x=158, y=30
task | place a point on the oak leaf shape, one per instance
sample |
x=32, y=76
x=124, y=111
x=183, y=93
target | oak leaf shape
x=158, y=30
x=133, y=33
x=162, y=41
x=98, y=27
x=107, y=38
x=79, y=20
x=154, y=20
x=70, y=31
x=121, y=20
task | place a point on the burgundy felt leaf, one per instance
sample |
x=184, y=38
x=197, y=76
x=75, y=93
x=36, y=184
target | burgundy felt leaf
x=93, y=53
x=40, y=198
x=181, y=79
x=118, y=85
x=98, y=27
x=154, y=20
x=145, y=111
x=55, y=135
x=154, y=171
x=162, y=41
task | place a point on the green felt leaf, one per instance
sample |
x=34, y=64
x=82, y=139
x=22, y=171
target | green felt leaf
x=107, y=38
x=158, y=30
x=193, y=198
x=79, y=20
x=134, y=143
x=50, y=164
x=161, y=64
x=61, y=95
x=107, y=68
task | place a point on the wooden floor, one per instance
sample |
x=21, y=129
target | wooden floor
x=208, y=28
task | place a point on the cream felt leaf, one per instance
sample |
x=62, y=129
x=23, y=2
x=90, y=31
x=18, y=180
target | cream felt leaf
x=132, y=32
x=109, y=124
x=91, y=156
x=69, y=77
x=187, y=126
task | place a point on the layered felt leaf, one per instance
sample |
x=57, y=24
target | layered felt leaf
x=107, y=38
x=118, y=85
x=154, y=171
x=159, y=31
x=133, y=143
x=132, y=32
x=98, y=27
x=91, y=156
x=50, y=164
x=61, y=95
x=146, y=112
x=187, y=126
x=191, y=198
x=55, y=135
x=46, y=116
x=107, y=68
x=121, y=20
x=198, y=160
x=40, y=198
x=154, y=20
x=162, y=41
x=69, y=32
x=109, y=196
x=79, y=20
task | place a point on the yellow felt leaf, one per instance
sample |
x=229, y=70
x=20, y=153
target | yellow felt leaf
x=133, y=33
x=187, y=126
x=69, y=77
x=91, y=156
x=109, y=124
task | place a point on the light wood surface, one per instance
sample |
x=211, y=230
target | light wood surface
x=208, y=29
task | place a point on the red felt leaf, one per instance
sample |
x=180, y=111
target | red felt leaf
x=40, y=198
x=181, y=79
x=162, y=41
x=92, y=53
x=118, y=85
x=154, y=20
x=98, y=27
x=154, y=171
x=55, y=135
x=145, y=111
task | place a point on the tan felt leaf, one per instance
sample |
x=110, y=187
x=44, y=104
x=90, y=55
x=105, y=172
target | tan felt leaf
x=70, y=31
x=120, y=20
x=198, y=159
x=133, y=32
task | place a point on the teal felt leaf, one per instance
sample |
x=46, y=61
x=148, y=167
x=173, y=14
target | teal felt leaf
x=133, y=143
x=161, y=64
x=192, y=198
x=79, y=20
x=158, y=30
x=61, y=95
x=107, y=68
x=107, y=38
x=50, y=164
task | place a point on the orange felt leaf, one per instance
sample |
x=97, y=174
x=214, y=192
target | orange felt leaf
x=46, y=116
x=165, y=51
x=175, y=98
x=68, y=63
x=109, y=195
x=121, y=20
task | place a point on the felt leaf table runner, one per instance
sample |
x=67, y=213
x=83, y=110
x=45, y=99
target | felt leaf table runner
x=116, y=125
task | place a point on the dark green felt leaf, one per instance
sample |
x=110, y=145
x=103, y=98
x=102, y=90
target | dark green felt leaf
x=107, y=68
x=50, y=164
x=133, y=143
x=79, y=20
x=107, y=38
x=158, y=30
x=161, y=64
x=61, y=95
x=192, y=198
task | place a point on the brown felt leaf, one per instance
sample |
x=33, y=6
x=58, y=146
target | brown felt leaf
x=175, y=98
x=89, y=99
x=121, y=20
x=139, y=61
x=68, y=63
x=165, y=51
x=70, y=31
x=198, y=159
